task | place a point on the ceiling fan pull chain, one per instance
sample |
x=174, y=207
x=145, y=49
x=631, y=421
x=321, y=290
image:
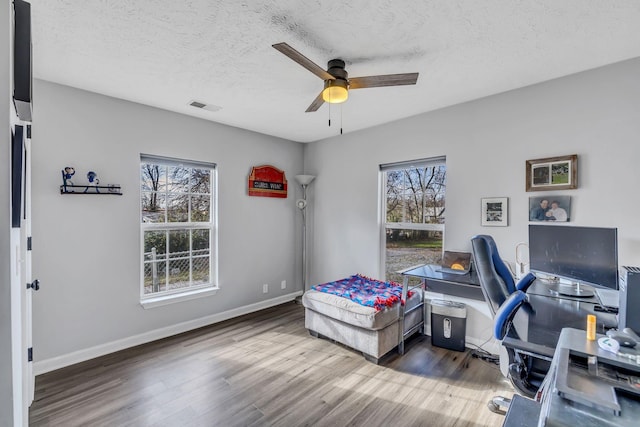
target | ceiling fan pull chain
x=340, y=119
x=329, y=115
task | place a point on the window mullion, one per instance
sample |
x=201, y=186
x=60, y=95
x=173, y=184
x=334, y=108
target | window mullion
x=190, y=256
x=166, y=260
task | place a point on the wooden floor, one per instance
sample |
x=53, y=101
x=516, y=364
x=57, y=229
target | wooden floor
x=264, y=369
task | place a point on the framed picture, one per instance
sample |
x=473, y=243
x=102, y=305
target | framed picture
x=550, y=208
x=495, y=212
x=552, y=173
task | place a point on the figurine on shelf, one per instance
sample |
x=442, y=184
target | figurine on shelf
x=93, y=180
x=67, y=173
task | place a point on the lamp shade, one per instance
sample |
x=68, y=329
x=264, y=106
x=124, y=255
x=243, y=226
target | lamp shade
x=305, y=179
x=335, y=91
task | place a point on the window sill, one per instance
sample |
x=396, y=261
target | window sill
x=174, y=298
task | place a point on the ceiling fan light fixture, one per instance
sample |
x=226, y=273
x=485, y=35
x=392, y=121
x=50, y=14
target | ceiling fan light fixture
x=335, y=91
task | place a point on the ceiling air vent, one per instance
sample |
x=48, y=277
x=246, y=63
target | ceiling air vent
x=203, y=106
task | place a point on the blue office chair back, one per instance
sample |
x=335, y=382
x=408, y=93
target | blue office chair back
x=495, y=277
x=493, y=285
x=499, y=265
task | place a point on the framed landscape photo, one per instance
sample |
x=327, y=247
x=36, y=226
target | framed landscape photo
x=552, y=173
x=495, y=212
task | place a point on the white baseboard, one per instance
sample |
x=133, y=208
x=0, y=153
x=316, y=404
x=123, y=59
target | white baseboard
x=48, y=365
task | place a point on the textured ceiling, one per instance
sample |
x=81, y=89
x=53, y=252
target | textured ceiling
x=166, y=53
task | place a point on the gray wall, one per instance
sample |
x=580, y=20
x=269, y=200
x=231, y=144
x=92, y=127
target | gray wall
x=6, y=381
x=86, y=248
x=594, y=114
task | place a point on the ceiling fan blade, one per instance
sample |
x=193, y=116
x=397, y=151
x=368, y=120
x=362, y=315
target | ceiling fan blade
x=317, y=103
x=303, y=60
x=385, y=80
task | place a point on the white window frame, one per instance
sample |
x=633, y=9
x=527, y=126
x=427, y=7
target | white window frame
x=384, y=168
x=194, y=291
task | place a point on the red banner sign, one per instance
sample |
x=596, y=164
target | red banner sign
x=267, y=181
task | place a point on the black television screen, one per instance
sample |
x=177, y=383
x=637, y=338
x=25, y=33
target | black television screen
x=581, y=254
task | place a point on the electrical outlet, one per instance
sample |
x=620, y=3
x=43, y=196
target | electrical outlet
x=265, y=288
x=283, y=284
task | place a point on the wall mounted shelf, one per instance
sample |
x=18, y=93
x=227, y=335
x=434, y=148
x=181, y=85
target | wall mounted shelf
x=111, y=189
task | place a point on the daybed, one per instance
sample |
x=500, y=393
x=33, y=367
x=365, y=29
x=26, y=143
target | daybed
x=372, y=330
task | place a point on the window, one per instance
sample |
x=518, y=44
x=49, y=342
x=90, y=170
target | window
x=414, y=212
x=177, y=227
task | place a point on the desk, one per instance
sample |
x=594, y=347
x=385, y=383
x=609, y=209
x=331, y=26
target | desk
x=533, y=335
x=537, y=324
x=460, y=285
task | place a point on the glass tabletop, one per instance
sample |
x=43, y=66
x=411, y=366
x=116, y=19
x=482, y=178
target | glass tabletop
x=434, y=271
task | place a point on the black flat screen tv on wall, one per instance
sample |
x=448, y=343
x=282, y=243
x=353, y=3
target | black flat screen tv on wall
x=584, y=255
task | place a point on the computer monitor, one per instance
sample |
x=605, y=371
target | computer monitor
x=579, y=255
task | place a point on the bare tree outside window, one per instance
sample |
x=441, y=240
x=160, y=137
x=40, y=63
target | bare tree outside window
x=415, y=217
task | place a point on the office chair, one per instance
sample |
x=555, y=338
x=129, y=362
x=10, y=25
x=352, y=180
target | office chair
x=496, y=280
x=503, y=317
x=504, y=298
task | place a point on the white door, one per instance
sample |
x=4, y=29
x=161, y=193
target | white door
x=23, y=380
x=25, y=244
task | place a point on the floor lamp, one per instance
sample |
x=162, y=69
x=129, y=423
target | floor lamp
x=304, y=181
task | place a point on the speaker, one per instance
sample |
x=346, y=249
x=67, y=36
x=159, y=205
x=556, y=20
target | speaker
x=629, y=311
x=22, y=74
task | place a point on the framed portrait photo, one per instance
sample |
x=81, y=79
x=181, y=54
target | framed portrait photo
x=495, y=212
x=552, y=173
x=550, y=208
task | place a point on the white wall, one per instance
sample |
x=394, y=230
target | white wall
x=86, y=247
x=595, y=114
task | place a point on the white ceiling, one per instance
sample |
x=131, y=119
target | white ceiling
x=166, y=53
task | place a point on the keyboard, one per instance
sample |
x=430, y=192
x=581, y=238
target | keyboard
x=608, y=297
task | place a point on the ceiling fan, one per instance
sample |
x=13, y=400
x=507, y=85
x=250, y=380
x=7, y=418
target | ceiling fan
x=336, y=79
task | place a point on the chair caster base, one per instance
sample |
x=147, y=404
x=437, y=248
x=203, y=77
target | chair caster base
x=499, y=405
